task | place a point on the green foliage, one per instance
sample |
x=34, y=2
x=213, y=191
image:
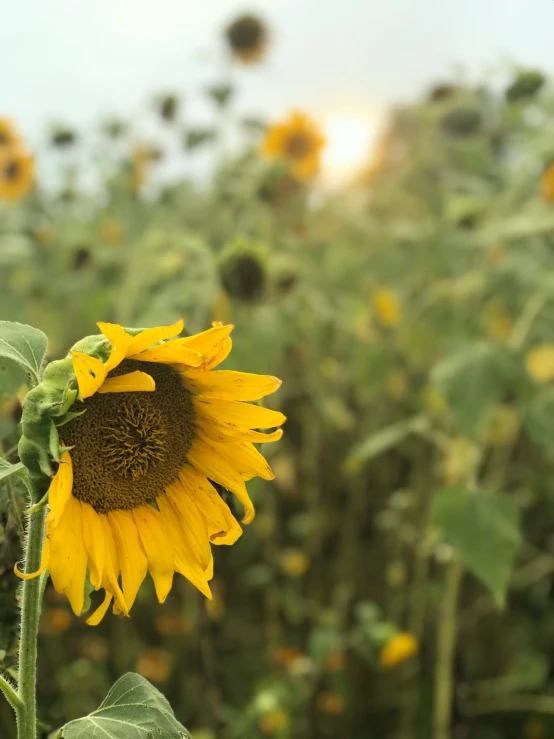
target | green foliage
x=132, y=709
x=25, y=345
x=484, y=529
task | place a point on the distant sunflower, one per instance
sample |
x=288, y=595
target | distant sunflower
x=298, y=141
x=8, y=135
x=17, y=173
x=132, y=494
x=247, y=37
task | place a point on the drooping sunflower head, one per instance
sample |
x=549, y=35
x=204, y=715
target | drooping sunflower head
x=297, y=140
x=135, y=426
x=17, y=172
x=243, y=271
x=247, y=37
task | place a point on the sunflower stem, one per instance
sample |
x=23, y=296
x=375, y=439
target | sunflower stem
x=30, y=613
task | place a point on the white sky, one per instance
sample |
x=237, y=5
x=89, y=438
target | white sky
x=75, y=61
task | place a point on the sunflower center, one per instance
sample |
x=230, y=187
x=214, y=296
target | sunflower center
x=129, y=446
x=298, y=145
x=11, y=170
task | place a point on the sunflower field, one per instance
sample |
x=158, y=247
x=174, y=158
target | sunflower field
x=396, y=580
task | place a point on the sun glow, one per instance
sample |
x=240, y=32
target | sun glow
x=351, y=142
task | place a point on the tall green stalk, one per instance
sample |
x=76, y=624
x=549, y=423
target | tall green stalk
x=30, y=614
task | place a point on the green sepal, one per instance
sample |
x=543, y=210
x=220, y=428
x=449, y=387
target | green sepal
x=54, y=442
x=69, y=417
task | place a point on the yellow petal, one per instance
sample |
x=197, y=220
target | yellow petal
x=100, y=612
x=63, y=546
x=152, y=336
x=111, y=564
x=75, y=590
x=223, y=528
x=158, y=548
x=222, y=432
x=207, y=342
x=95, y=545
x=132, y=382
x=186, y=562
x=43, y=564
x=120, y=341
x=131, y=555
x=241, y=414
x=192, y=522
x=207, y=461
x=60, y=489
x=230, y=385
x=221, y=352
x=172, y=352
x=83, y=366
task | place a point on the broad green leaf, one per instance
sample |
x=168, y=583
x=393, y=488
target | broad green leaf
x=133, y=709
x=539, y=418
x=12, y=377
x=484, y=528
x=385, y=439
x=25, y=345
x=477, y=378
x=8, y=470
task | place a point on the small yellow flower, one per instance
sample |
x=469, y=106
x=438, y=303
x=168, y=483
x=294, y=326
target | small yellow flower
x=112, y=231
x=387, y=307
x=330, y=703
x=540, y=362
x=460, y=457
x=273, y=722
x=547, y=183
x=247, y=37
x=8, y=135
x=155, y=664
x=398, y=649
x=298, y=141
x=17, y=173
x=295, y=563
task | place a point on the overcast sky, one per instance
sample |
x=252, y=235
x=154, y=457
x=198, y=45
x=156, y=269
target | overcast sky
x=75, y=61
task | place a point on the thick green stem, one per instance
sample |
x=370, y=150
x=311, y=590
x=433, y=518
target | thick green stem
x=30, y=614
x=446, y=644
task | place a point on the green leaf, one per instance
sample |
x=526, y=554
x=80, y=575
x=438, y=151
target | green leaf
x=385, y=439
x=475, y=379
x=25, y=345
x=538, y=420
x=12, y=377
x=7, y=470
x=484, y=528
x=133, y=709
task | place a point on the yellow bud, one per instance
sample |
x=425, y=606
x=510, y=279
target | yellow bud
x=398, y=649
x=540, y=362
x=386, y=306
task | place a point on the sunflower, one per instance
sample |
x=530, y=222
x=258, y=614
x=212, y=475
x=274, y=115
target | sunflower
x=298, y=141
x=247, y=37
x=17, y=172
x=8, y=135
x=151, y=426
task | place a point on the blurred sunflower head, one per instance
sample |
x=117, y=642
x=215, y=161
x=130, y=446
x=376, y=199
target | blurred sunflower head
x=298, y=141
x=151, y=423
x=8, y=135
x=17, y=173
x=242, y=269
x=247, y=37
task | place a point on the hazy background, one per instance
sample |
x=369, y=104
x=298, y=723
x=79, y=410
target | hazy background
x=76, y=61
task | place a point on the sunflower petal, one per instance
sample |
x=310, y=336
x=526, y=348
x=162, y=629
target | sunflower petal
x=83, y=366
x=241, y=414
x=244, y=458
x=131, y=555
x=63, y=556
x=60, y=489
x=43, y=564
x=206, y=460
x=206, y=342
x=157, y=548
x=93, y=536
x=120, y=341
x=172, y=352
x=221, y=352
x=75, y=590
x=111, y=564
x=152, y=336
x=230, y=385
x=100, y=612
x=192, y=522
x=220, y=431
x=132, y=382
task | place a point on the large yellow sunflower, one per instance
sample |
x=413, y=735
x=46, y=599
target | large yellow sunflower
x=298, y=141
x=152, y=425
x=17, y=172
